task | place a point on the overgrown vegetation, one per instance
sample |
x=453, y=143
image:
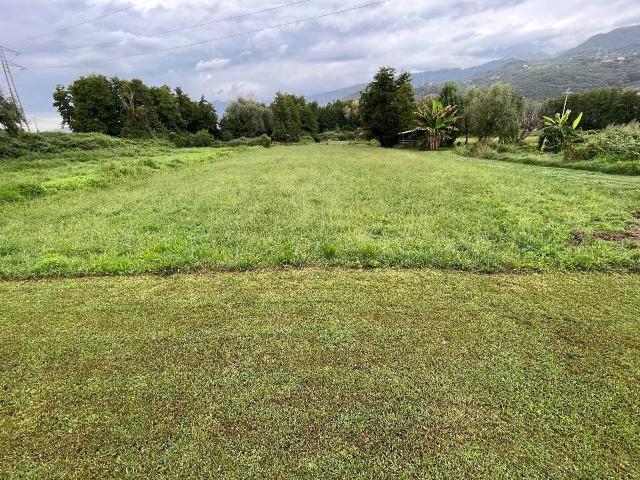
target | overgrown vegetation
x=32, y=176
x=12, y=146
x=613, y=144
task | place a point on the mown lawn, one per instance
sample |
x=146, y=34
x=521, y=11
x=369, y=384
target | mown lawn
x=321, y=374
x=319, y=205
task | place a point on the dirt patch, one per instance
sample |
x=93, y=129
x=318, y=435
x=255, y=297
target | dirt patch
x=632, y=234
x=577, y=237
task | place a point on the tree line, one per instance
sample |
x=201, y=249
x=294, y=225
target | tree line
x=387, y=106
x=129, y=108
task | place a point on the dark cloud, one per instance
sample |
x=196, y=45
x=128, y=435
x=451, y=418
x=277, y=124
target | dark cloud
x=317, y=56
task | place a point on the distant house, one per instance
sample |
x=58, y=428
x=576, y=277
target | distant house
x=410, y=138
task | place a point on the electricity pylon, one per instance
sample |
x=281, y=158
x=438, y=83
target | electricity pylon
x=13, y=91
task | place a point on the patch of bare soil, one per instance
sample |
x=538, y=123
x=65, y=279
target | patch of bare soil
x=633, y=235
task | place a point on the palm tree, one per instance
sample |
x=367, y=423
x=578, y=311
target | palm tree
x=437, y=121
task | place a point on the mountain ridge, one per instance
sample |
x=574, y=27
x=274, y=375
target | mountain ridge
x=605, y=59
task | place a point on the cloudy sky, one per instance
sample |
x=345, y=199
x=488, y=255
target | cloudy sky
x=304, y=57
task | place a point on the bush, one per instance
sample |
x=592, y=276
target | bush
x=307, y=140
x=20, y=191
x=335, y=136
x=205, y=139
x=615, y=143
x=481, y=149
x=553, y=139
x=261, y=141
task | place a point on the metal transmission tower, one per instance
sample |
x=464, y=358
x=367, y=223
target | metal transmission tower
x=13, y=91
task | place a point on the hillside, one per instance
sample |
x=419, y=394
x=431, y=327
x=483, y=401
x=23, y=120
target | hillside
x=620, y=40
x=608, y=59
x=541, y=80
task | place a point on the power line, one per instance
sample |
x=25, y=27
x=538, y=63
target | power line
x=84, y=22
x=226, y=37
x=166, y=32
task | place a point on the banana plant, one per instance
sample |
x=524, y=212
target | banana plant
x=559, y=120
x=437, y=121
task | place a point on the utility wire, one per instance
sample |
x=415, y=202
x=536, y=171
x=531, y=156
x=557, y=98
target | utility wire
x=84, y=22
x=166, y=32
x=203, y=42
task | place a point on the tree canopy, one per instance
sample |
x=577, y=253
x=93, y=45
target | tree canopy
x=10, y=115
x=601, y=107
x=130, y=108
x=387, y=105
x=247, y=118
x=293, y=117
x=495, y=111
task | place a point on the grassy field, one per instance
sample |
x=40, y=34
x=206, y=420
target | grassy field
x=320, y=206
x=308, y=366
x=321, y=374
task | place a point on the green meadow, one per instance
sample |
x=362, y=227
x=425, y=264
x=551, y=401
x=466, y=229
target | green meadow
x=323, y=311
x=308, y=206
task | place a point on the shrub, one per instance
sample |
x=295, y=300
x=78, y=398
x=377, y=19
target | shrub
x=261, y=141
x=205, y=139
x=335, y=135
x=20, y=191
x=481, y=149
x=188, y=140
x=615, y=143
x=552, y=139
x=306, y=140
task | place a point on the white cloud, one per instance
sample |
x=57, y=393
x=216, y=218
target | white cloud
x=305, y=58
x=213, y=64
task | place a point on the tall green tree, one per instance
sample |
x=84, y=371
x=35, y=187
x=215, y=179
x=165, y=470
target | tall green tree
x=167, y=109
x=387, y=105
x=293, y=117
x=308, y=116
x=339, y=115
x=90, y=104
x=207, y=117
x=10, y=115
x=495, y=111
x=63, y=102
x=140, y=117
x=287, y=124
x=246, y=118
